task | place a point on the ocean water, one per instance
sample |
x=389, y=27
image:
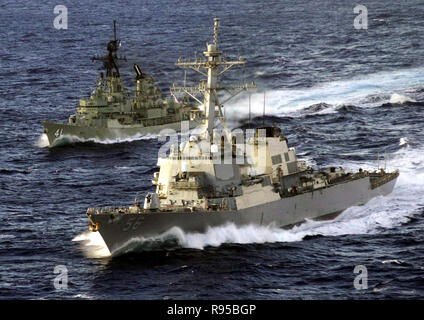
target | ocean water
x=341, y=96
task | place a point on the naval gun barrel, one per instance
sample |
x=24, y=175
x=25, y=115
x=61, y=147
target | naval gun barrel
x=139, y=74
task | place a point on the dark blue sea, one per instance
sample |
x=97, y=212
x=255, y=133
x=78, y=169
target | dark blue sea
x=342, y=96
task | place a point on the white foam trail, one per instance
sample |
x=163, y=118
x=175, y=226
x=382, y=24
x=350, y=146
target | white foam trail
x=353, y=91
x=82, y=296
x=42, y=141
x=122, y=168
x=69, y=139
x=231, y=233
x=397, y=98
x=7, y=236
x=92, y=245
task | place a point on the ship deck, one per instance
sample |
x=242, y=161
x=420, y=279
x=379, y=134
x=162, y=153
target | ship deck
x=377, y=179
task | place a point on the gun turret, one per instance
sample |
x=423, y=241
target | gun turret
x=139, y=74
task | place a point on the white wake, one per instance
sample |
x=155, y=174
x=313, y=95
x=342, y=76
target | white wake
x=365, y=91
x=92, y=245
x=42, y=141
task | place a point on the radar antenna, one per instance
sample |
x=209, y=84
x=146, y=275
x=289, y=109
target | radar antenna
x=110, y=61
x=212, y=67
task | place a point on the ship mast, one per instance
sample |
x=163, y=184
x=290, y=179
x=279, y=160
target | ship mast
x=213, y=66
x=110, y=61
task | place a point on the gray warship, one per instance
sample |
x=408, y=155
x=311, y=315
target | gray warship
x=216, y=178
x=113, y=113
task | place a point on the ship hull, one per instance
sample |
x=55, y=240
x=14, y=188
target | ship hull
x=60, y=134
x=326, y=202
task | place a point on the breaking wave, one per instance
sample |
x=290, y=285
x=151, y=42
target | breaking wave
x=42, y=141
x=397, y=98
x=92, y=245
x=366, y=91
x=403, y=141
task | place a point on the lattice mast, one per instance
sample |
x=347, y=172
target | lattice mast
x=211, y=67
x=110, y=61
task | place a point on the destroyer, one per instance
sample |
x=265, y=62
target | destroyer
x=213, y=179
x=112, y=113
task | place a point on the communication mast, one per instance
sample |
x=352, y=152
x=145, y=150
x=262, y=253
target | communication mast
x=212, y=67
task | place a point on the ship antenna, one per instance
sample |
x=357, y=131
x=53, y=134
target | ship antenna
x=212, y=67
x=114, y=30
x=263, y=117
x=385, y=159
x=249, y=111
x=110, y=61
x=215, y=31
